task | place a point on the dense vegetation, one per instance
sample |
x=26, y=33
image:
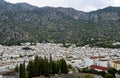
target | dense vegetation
x=47, y=68
x=109, y=74
x=43, y=67
x=23, y=22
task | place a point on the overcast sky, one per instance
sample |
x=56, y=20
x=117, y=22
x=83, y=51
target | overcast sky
x=82, y=5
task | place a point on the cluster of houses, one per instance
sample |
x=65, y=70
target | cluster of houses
x=78, y=57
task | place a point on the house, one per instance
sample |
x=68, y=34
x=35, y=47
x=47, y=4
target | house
x=116, y=64
x=98, y=68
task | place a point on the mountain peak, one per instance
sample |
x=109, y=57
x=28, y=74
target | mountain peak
x=26, y=6
x=108, y=9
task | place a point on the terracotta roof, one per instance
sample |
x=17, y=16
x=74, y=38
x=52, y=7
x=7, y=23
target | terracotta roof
x=99, y=67
x=95, y=57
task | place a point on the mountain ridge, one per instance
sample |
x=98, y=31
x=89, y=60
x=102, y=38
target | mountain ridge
x=61, y=25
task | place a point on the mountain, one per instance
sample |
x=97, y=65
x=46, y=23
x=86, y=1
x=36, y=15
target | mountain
x=108, y=13
x=23, y=22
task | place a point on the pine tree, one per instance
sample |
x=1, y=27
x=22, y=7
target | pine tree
x=54, y=67
x=51, y=65
x=40, y=65
x=64, y=68
x=16, y=68
x=36, y=66
x=30, y=69
x=58, y=67
x=22, y=71
x=45, y=67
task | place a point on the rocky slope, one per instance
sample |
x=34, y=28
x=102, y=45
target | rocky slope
x=23, y=22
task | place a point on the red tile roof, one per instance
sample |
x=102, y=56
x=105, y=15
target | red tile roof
x=99, y=67
x=95, y=57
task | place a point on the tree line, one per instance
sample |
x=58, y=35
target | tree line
x=43, y=66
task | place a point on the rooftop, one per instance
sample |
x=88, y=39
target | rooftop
x=117, y=62
x=95, y=57
x=99, y=67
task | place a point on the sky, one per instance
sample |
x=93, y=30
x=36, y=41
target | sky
x=81, y=5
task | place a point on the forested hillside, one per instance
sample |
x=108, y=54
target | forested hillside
x=23, y=22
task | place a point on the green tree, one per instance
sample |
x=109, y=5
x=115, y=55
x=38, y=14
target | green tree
x=78, y=77
x=36, y=66
x=119, y=72
x=40, y=66
x=64, y=68
x=93, y=71
x=112, y=71
x=45, y=67
x=16, y=68
x=58, y=67
x=108, y=75
x=88, y=76
x=70, y=66
x=30, y=69
x=51, y=64
x=102, y=73
x=85, y=69
x=54, y=67
x=22, y=71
